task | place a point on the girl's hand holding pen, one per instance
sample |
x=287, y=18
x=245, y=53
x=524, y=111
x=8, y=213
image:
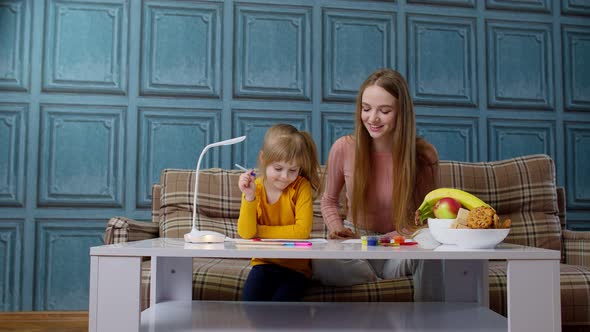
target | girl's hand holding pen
x=246, y=170
x=247, y=184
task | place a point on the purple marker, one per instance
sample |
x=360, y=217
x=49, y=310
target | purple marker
x=245, y=169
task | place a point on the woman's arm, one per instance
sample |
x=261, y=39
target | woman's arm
x=427, y=170
x=334, y=182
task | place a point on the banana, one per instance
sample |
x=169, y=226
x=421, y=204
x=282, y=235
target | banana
x=467, y=200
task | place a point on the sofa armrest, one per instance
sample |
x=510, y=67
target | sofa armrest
x=576, y=247
x=121, y=230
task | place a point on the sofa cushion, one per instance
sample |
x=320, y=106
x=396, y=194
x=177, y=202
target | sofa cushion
x=574, y=286
x=219, y=203
x=522, y=189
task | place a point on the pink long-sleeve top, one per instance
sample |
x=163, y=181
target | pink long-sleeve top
x=379, y=209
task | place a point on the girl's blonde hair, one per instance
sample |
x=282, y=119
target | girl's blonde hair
x=283, y=142
x=403, y=152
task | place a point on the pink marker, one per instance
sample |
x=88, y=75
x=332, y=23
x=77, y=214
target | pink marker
x=297, y=244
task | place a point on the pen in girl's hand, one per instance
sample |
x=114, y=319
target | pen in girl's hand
x=245, y=169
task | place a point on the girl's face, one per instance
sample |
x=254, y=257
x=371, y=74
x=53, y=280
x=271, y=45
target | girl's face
x=281, y=174
x=378, y=112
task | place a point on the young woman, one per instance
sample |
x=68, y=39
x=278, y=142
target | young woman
x=387, y=172
x=279, y=204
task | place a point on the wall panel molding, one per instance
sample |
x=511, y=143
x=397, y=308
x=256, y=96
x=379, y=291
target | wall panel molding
x=577, y=147
x=454, y=139
x=62, y=264
x=273, y=52
x=576, y=72
x=13, y=121
x=430, y=37
x=86, y=46
x=187, y=130
x=356, y=43
x=509, y=138
x=254, y=125
x=181, y=50
x=520, y=65
x=81, y=156
x=15, y=25
x=334, y=126
x=575, y=7
x=543, y=6
x=11, y=256
x=460, y=3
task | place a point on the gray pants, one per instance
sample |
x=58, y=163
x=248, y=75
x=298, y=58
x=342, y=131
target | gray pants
x=427, y=275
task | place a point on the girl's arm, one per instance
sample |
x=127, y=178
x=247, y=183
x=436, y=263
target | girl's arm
x=303, y=216
x=248, y=219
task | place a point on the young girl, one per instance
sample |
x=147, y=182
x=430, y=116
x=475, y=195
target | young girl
x=279, y=204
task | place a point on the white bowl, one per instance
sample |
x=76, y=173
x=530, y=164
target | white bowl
x=441, y=230
x=479, y=238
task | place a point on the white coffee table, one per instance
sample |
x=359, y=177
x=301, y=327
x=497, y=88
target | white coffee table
x=115, y=280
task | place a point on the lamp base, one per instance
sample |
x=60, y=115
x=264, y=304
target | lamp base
x=196, y=236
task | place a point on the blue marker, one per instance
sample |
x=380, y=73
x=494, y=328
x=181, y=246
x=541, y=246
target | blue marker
x=245, y=169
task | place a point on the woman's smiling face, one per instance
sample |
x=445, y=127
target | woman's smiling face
x=378, y=113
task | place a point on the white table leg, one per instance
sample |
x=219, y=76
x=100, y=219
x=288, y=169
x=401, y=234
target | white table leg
x=172, y=279
x=533, y=291
x=115, y=284
x=466, y=281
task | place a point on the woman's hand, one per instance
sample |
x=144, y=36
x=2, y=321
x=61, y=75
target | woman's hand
x=391, y=235
x=342, y=234
x=247, y=185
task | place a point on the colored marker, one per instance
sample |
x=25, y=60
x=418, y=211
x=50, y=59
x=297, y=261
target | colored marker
x=298, y=244
x=260, y=243
x=245, y=169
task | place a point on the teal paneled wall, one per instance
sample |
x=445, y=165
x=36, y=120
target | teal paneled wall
x=97, y=97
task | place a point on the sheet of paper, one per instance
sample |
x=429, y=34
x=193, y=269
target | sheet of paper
x=317, y=240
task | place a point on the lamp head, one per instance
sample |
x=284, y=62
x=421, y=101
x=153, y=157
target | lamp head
x=227, y=142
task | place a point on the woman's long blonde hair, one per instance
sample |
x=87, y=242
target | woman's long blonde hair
x=403, y=152
x=283, y=142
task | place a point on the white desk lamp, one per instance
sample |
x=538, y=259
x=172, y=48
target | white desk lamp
x=197, y=236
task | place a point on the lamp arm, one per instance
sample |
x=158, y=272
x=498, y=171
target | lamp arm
x=193, y=226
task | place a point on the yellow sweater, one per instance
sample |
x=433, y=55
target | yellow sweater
x=290, y=217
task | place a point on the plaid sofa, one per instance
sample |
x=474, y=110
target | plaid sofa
x=522, y=189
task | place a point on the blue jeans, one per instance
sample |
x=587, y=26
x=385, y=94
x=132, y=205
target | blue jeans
x=270, y=282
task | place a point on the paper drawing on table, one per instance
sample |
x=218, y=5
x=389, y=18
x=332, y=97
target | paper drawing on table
x=314, y=241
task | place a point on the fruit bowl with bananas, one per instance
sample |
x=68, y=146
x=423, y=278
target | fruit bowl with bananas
x=456, y=217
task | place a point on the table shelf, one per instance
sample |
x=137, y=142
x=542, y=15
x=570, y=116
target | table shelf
x=180, y=316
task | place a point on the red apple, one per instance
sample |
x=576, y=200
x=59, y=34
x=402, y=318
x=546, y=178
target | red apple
x=446, y=208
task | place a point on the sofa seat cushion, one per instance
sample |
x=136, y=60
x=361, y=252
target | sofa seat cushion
x=522, y=189
x=575, y=292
